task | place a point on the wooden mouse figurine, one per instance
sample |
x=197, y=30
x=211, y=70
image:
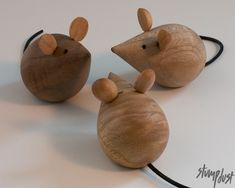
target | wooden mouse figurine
x=132, y=129
x=175, y=52
x=55, y=67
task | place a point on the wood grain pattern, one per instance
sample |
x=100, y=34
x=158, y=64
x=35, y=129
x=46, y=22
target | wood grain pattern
x=56, y=77
x=175, y=52
x=132, y=129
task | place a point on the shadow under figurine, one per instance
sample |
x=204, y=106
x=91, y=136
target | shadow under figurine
x=55, y=67
x=132, y=129
x=175, y=52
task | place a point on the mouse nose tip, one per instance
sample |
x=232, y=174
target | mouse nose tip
x=116, y=49
x=113, y=49
x=121, y=50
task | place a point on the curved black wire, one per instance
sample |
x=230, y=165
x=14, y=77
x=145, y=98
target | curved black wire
x=31, y=38
x=169, y=180
x=219, y=43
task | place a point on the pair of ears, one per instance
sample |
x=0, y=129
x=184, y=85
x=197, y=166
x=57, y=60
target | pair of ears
x=145, y=21
x=106, y=90
x=77, y=31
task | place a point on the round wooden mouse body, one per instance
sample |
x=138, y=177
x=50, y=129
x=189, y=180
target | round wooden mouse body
x=55, y=67
x=132, y=128
x=175, y=52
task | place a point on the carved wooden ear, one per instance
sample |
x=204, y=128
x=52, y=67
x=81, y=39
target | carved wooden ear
x=145, y=81
x=78, y=28
x=145, y=19
x=105, y=90
x=47, y=43
x=164, y=38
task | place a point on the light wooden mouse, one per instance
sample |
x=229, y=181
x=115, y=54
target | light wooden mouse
x=132, y=129
x=175, y=52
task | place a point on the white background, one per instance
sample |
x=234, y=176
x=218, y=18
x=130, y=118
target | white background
x=55, y=145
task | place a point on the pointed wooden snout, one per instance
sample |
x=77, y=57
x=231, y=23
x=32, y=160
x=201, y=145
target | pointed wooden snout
x=138, y=50
x=116, y=50
x=131, y=53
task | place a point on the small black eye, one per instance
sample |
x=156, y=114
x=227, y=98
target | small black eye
x=65, y=51
x=158, y=45
x=144, y=46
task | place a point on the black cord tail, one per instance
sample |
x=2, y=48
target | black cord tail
x=169, y=180
x=31, y=38
x=221, y=48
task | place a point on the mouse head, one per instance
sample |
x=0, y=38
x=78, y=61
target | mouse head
x=58, y=44
x=138, y=50
x=174, y=51
x=108, y=89
x=55, y=66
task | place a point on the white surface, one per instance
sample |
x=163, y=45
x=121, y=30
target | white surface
x=55, y=145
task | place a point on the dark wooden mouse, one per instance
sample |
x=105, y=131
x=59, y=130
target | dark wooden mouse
x=55, y=67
